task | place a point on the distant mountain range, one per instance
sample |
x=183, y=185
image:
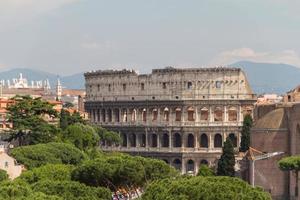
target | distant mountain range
x=263, y=77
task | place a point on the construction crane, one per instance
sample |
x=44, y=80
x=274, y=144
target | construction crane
x=255, y=155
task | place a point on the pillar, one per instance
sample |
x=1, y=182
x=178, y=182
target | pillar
x=127, y=138
x=147, y=142
x=183, y=166
x=196, y=141
x=225, y=114
x=211, y=117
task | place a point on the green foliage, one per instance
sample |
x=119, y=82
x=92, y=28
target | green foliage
x=67, y=119
x=119, y=171
x=107, y=136
x=72, y=190
x=290, y=163
x=227, y=161
x=208, y=188
x=245, y=139
x=50, y=153
x=29, y=126
x=3, y=175
x=53, y=172
x=204, y=170
x=82, y=136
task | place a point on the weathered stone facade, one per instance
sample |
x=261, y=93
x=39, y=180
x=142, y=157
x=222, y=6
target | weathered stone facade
x=182, y=116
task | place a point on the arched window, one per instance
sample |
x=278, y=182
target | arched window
x=165, y=140
x=178, y=114
x=190, y=166
x=144, y=115
x=117, y=115
x=232, y=114
x=124, y=140
x=132, y=140
x=204, y=114
x=153, y=140
x=103, y=115
x=166, y=114
x=177, y=164
x=109, y=115
x=204, y=141
x=142, y=140
x=133, y=115
x=191, y=114
x=203, y=162
x=177, y=140
x=190, y=141
x=154, y=114
x=218, y=141
x=218, y=114
x=233, y=139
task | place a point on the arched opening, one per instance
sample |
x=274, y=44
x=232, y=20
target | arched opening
x=191, y=114
x=117, y=115
x=232, y=114
x=103, y=115
x=109, y=115
x=218, y=141
x=153, y=140
x=204, y=114
x=165, y=140
x=177, y=164
x=233, y=139
x=178, y=114
x=190, y=166
x=190, y=141
x=133, y=115
x=124, y=115
x=132, y=140
x=166, y=114
x=154, y=114
x=203, y=162
x=142, y=140
x=177, y=140
x=124, y=140
x=166, y=161
x=144, y=115
x=218, y=114
x=203, y=141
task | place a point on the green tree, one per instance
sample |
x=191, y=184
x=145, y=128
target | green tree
x=109, y=137
x=291, y=163
x=204, y=170
x=51, y=153
x=227, y=161
x=208, y=188
x=82, y=136
x=67, y=119
x=245, y=139
x=3, y=175
x=28, y=118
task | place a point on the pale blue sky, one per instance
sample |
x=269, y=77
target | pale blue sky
x=69, y=36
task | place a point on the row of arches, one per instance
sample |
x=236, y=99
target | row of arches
x=177, y=140
x=216, y=114
x=190, y=165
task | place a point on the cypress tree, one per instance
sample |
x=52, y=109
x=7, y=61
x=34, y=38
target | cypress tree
x=227, y=161
x=245, y=139
x=64, y=119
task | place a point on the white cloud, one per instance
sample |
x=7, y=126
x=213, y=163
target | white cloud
x=286, y=56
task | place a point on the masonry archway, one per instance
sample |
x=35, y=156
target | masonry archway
x=132, y=140
x=190, y=141
x=190, y=166
x=177, y=140
x=177, y=164
x=218, y=141
x=165, y=140
x=203, y=141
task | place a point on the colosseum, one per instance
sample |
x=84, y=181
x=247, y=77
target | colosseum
x=179, y=115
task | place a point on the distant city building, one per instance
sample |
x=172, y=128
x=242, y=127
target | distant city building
x=269, y=99
x=293, y=95
x=181, y=116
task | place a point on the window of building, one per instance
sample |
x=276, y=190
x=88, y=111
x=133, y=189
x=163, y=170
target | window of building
x=6, y=164
x=189, y=85
x=191, y=114
x=177, y=114
x=154, y=114
x=124, y=86
x=204, y=114
x=109, y=87
x=218, y=84
x=98, y=87
x=142, y=86
x=164, y=85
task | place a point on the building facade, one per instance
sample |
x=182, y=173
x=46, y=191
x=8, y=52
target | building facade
x=182, y=116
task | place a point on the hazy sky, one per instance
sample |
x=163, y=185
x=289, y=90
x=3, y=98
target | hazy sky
x=70, y=36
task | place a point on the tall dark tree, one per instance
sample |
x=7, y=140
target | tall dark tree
x=245, y=139
x=29, y=117
x=227, y=161
x=67, y=119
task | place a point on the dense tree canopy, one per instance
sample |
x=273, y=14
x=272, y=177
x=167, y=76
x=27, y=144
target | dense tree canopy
x=245, y=139
x=204, y=170
x=108, y=137
x=208, y=188
x=227, y=161
x=82, y=136
x=66, y=119
x=50, y=153
x=3, y=175
x=28, y=117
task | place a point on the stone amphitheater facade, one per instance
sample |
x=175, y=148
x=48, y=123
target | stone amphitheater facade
x=180, y=115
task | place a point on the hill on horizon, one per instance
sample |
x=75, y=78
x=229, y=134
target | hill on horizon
x=263, y=77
